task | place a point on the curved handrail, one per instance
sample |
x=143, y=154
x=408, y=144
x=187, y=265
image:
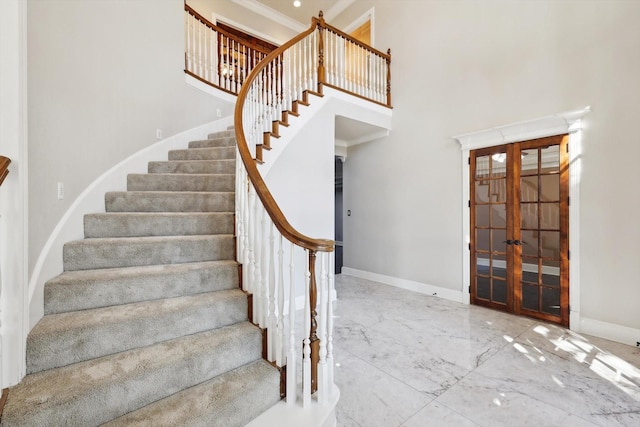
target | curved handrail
x=269, y=203
x=4, y=168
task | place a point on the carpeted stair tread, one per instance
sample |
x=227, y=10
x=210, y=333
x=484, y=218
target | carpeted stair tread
x=137, y=251
x=86, y=289
x=205, y=153
x=139, y=224
x=66, y=338
x=169, y=201
x=229, y=400
x=99, y=390
x=180, y=182
x=220, y=141
x=193, y=166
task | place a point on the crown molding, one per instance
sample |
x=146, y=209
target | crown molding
x=555, y=124
x=282, y=19
x=259, y=8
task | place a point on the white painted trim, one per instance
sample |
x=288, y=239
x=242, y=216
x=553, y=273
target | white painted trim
x=610, y=331
x=423, y=288
x=557, y=124
x=284, y=415
x=215, y=18
x=369, y=15
x=71, y=227
x=272, y=14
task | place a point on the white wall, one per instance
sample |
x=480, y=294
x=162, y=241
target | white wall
x=103, y=76
x=13, y=203
x=464, y=66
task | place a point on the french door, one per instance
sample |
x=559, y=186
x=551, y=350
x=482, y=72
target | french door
x=520, y=228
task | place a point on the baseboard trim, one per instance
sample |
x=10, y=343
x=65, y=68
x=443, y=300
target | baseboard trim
x=610, y=331
x=410, y=285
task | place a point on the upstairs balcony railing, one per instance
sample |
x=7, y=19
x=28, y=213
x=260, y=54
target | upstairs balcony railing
x=270, y=250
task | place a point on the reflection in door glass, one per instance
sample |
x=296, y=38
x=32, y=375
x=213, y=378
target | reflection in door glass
x=550, y=157
x=551, y=300
x=530, y=297
x=499, y=291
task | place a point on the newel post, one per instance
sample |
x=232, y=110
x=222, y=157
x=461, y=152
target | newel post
x=389, y=78
x=313, y=336
x=321, y=69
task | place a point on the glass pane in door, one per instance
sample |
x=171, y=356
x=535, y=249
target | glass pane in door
x=540, y=230
x=490, y=228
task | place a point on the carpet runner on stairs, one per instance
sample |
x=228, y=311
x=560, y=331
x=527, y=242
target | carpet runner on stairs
x=147, y=325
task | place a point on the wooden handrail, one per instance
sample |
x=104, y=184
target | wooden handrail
x=4, y=168
x=269, y=203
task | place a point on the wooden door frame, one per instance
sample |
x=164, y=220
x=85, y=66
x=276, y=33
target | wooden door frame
x=512, y=201
x=569, y=122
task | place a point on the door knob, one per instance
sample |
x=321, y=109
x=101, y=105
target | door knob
x=509, y=242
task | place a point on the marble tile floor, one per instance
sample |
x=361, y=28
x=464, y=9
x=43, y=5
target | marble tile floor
x=412, y=360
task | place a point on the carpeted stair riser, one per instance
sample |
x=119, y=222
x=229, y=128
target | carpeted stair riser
x=181, y=182
x=135, y=224
x=66, y=338
x=214, y=153
x=229, y=400
x=228, y=141
x=82, y=290
x=222, y=134
x=193, y=166
x=169, y=201
x=99, y=390
x=136, y=251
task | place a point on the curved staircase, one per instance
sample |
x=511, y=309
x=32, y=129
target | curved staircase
x=147, y=324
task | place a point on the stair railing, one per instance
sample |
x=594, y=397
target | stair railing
x=216, y=57
x=270, y=93
x=270, y=86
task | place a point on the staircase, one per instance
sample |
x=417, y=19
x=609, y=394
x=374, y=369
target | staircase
x=147, y=324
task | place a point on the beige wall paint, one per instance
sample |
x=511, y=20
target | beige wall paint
x=102, y=77
x=464, y=66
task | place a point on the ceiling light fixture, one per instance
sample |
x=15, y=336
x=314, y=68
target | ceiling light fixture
x=296, y=3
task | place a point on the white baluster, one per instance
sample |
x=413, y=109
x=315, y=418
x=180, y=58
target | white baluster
x=332, y=288
x=280, y=356
x=323, y=373
x=187, y=49
x=238, y=206
x=291, y=356
x=306, y=354
x=272, y=319
x=251, y=240
x=257, y=295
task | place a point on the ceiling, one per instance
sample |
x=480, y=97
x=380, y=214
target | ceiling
x=302, y=14
x=297, y=18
